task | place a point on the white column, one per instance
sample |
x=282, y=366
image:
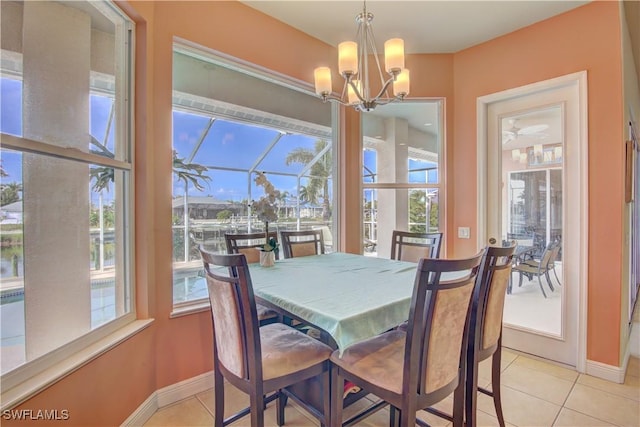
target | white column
x=56, y=52
x=392, y=168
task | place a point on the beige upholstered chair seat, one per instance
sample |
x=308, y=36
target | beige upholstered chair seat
x=379, y=359
x=265, y=313
x=286, y=350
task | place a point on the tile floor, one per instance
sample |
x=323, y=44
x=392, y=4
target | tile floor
x=534, y=393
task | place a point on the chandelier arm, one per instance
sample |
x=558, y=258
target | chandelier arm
x=385, y=101
x=374, y=52
x=328, y=97
x=386, y=85
x=355, y=90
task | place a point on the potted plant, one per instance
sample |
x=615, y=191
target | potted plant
x=266, y=210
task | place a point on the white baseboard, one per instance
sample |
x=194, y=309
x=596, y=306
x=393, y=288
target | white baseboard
x=143, y=413
x=606, y=372
x=184, y=389
x=168, y=395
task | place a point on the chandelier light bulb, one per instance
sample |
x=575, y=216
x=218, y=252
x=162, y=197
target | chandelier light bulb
x=523, y=158
x=322, y=78
x=557, y=153
x=352, y=98
x=401, y=84
x=348, y=58
x=360, y=59
x=394, y=55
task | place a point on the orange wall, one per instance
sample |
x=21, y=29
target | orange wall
x=107, y=390
x=587, y=38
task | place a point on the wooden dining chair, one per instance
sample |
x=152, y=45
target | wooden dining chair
x=248, y=244
x=302, y=243
x=256, y=360
x=408, y=246
x=416, y=368
x=485, y=331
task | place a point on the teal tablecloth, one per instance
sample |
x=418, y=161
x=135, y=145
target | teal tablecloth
x=352, y=297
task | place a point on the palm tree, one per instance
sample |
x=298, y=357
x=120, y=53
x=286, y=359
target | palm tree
x=187, y=172
x=10, y=193
x=190, y=172
x=318, y=185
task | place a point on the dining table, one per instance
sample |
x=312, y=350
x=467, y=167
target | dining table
x=350, y=297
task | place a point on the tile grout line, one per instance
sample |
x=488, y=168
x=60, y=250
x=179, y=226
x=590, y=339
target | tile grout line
x=592, y=388
x=203, y=404
x=564, y=402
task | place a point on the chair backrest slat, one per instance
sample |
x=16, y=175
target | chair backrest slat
x=408, y=246
x=233, y=311
x=302, y=243
x=247, y=244
x=437, y=324
x=489, y=296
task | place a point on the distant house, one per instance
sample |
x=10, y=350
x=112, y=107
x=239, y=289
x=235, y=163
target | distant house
x=205, y=207
x=11, y=213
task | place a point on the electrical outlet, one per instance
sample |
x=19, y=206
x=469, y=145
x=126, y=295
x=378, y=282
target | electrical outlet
x=464, y=232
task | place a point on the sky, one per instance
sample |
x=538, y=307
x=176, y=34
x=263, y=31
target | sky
x=227, y=144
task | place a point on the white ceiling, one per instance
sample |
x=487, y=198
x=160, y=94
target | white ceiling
x=427, y=26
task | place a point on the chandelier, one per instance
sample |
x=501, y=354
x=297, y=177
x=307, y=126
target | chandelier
x=353, y=63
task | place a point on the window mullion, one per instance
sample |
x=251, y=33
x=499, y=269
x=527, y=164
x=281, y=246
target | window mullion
x=30, y=146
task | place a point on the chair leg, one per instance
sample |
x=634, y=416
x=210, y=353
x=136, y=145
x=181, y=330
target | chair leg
x=470, y=390
x=337, y=390
x=495, y=382
x=394, y=416
x=541, y=288
x=281, y=404
x=546, y=274
x=408, y=416
x=326, y=397
x=520, y=282
x=556, y=274
x=256, y=407
x=458, y=407
x=218, y=405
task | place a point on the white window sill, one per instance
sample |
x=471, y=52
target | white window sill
x=33, y=385
x=192, y=307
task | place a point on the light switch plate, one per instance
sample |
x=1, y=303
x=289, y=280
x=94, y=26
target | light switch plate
x=464, y=232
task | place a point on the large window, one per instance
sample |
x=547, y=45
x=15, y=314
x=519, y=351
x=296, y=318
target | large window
x=66, y=180
x=228, y=124
x=402, y=172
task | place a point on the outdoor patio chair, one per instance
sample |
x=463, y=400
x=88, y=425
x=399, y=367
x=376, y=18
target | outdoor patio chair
x=552, y=261
x=541, y=268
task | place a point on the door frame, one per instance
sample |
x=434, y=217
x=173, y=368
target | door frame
x=482, y=106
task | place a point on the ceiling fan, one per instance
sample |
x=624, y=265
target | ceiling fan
x=514, y=131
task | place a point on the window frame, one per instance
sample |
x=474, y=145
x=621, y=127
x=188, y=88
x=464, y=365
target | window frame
x=440, y=185
x=32, y=376
x=196, y=51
